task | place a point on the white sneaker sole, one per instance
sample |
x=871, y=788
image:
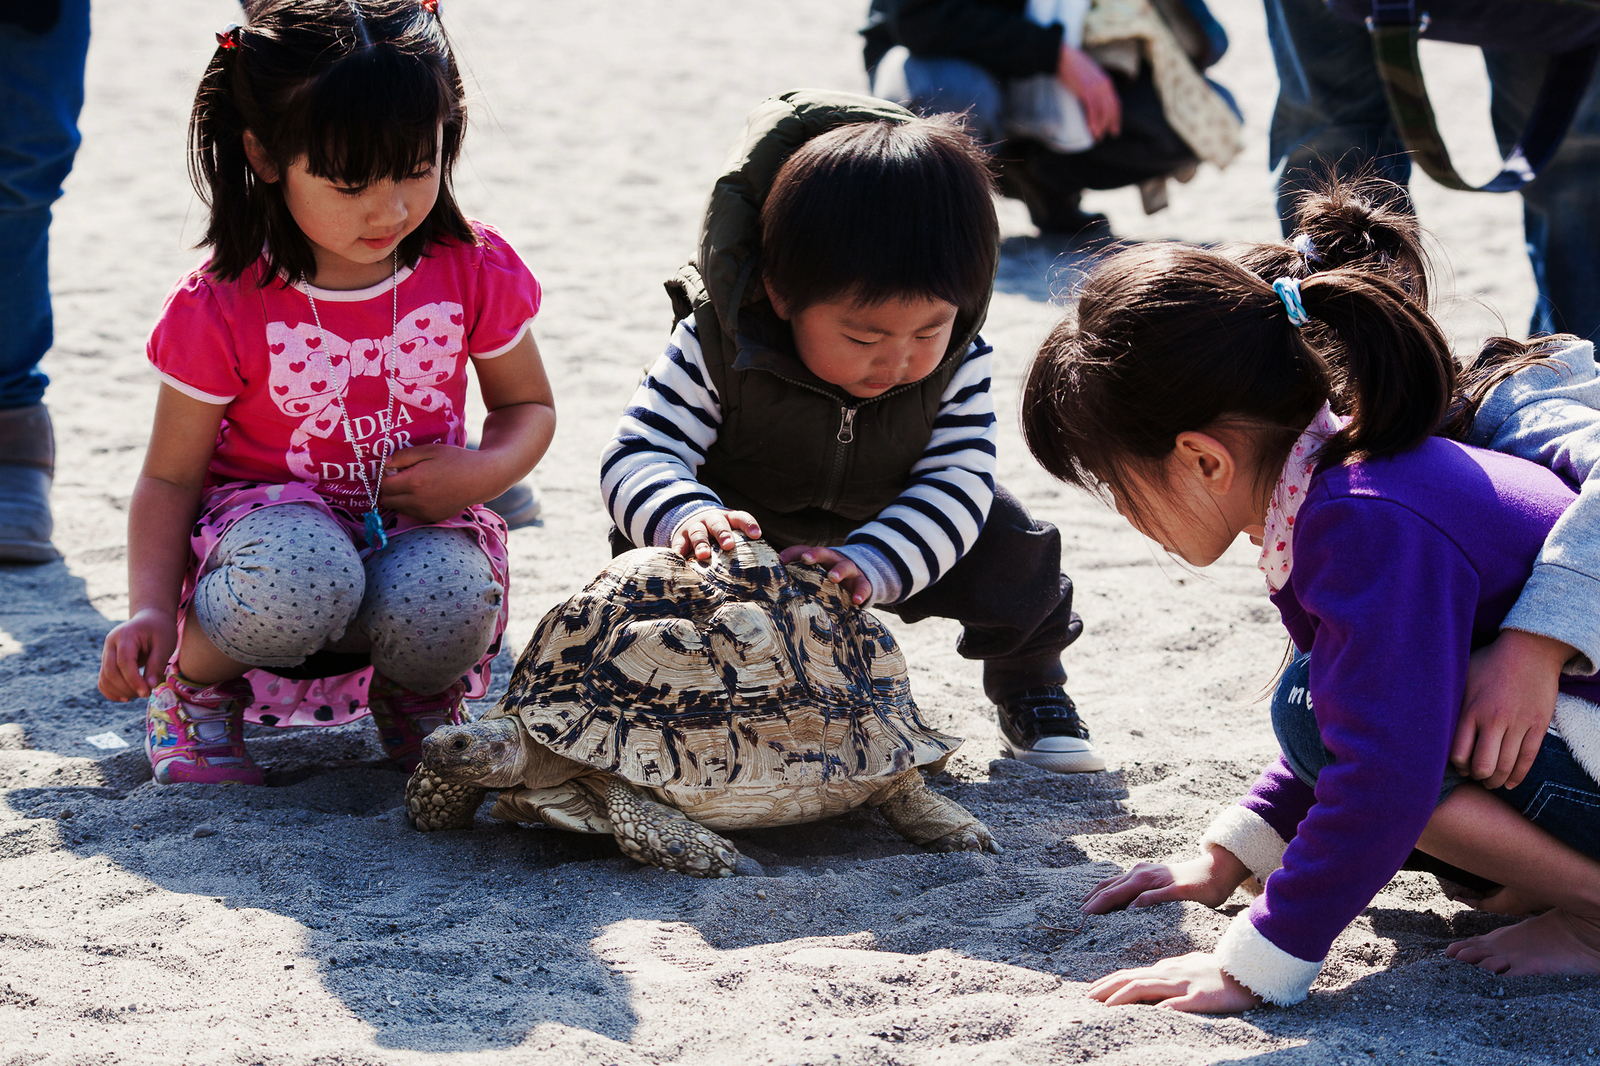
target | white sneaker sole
x=1083, y=761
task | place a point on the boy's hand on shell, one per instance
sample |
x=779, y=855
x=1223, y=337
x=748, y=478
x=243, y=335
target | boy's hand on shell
x=135, y=656
x=694, y=537
x=1192, y=982
x=433, y=481
x=846, y=574
x=1510, y=698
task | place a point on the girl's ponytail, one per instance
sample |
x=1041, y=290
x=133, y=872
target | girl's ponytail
x=1170, y=338
x=1393, y=362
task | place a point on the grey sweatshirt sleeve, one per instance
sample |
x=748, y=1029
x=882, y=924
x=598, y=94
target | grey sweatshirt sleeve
x=1550, y=415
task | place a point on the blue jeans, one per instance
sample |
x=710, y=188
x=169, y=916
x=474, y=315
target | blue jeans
x=1331, y=110
x=41, y=93
x=1558, y=795
x=946, y=85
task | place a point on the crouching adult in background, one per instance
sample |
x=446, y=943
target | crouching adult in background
x=1066, y=94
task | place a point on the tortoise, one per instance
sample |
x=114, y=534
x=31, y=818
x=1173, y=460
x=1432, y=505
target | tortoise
x=674, y=697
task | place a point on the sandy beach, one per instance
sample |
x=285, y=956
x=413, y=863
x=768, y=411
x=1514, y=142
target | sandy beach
x=307, y=923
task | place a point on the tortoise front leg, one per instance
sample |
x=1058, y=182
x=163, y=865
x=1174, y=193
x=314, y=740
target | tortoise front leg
x=434, y=803
x=924, y=817
x=658, y=835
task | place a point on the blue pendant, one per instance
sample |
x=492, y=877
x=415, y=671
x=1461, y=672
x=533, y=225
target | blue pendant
x=376, y=537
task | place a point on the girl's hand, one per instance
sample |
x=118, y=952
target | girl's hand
x=1192, y=982
x=434, y=481
x=857, y=586
x=1510, y=699
x=1094, y=89
x=1209, y=879
x=136, y=653
x=695, y=535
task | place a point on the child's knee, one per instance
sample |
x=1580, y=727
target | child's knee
x=282, y=583
x=432, y=608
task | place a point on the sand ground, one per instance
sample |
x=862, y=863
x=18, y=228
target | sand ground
x=307, y=923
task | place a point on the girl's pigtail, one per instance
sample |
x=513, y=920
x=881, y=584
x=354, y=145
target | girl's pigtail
x=218, y=167
x=1362, y=225
x=1398, y=374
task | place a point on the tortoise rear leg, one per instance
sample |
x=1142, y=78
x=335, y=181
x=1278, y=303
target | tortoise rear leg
x=657, y=835
x=924, y=817
x=434, y=803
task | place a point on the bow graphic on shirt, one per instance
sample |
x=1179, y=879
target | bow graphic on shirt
x=310, y=371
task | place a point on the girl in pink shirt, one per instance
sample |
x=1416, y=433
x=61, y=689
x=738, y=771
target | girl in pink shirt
x=307, y=539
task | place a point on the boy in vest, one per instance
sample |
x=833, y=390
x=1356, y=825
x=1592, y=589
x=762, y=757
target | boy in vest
x=826, y=388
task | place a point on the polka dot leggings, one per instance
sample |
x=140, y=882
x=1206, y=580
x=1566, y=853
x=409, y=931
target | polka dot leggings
x=285, y=582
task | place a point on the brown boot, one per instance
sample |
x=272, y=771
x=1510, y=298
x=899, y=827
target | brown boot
x=27, y=464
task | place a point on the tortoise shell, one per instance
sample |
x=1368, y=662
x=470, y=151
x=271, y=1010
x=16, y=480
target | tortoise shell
x=739, y=690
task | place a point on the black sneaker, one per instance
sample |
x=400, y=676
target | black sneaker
x=1041, y=728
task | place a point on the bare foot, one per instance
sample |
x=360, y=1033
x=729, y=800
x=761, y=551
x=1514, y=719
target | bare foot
x=1556, y=942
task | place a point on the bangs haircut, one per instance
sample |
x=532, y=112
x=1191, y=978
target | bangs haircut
x=362, y=90
x=880, y=211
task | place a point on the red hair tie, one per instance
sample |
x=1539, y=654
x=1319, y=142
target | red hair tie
x=228, y=39
x=431, y=6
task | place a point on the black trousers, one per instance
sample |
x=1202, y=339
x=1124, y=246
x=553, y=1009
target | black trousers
x=1009, y=594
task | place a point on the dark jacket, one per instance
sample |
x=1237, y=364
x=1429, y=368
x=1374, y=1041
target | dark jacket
x=809, y=460
x=999, y=37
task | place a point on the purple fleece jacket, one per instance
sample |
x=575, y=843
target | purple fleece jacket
x=1402, y=567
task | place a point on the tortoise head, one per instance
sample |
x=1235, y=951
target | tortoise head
x=488, y=753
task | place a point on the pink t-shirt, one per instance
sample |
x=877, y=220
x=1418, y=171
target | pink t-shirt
x=260, y=352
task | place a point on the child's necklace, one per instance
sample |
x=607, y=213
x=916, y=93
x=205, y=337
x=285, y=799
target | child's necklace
x=372, y=521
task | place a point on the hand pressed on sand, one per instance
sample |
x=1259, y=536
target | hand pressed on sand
x=1192, y=982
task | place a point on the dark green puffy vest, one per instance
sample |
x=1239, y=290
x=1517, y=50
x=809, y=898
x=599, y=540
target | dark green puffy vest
x=810, y=461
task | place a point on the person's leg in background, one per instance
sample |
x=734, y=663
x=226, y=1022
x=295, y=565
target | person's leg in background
x=1561, y=207
x=1331, y=115
x=41, y=93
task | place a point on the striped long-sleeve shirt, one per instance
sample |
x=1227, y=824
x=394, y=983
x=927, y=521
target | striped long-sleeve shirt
x=647, y=474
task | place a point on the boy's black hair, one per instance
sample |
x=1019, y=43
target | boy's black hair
x=362, y=90
x=875, y=211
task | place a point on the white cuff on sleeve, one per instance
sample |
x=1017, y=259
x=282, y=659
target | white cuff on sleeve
x=1262, y=966
x=1251, y=840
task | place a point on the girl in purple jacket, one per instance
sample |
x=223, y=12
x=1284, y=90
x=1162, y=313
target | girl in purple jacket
x=1206, y=400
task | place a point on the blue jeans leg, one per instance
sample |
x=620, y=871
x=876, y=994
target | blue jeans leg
x=940, y=85
x=1561, y=207
x=1331, y=114
x=41, y=94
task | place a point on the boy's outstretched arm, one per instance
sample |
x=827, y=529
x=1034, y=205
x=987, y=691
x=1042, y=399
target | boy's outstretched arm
x=647, y=472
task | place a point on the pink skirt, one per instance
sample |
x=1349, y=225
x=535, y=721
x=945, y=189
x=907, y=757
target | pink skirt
x=280, y=701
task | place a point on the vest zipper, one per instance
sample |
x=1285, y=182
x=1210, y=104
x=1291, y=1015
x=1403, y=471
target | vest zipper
x=847, y=431
x=841, y=451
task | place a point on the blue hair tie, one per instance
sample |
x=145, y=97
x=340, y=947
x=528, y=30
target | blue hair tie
x=1288, y=290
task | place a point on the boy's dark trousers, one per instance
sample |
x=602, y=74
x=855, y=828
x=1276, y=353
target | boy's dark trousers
x=1008, y=593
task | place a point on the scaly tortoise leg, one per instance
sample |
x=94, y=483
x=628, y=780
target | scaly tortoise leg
x=657, y=835
x=434, y=803
x=924, y=817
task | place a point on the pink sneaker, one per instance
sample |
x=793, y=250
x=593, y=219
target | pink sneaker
x=196, y=733
x=403, y=717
